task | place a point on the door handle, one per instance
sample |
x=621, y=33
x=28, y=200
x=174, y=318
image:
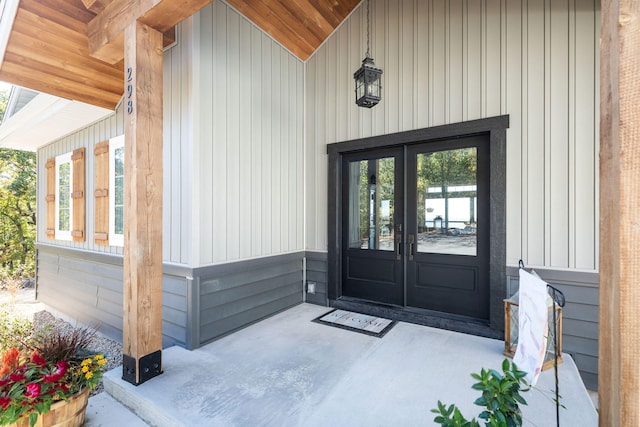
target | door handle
x=411, y=246
x=398, y=245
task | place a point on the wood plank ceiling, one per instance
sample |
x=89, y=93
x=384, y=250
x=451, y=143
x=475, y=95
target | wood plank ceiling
x=299, y=25
x=48, y=48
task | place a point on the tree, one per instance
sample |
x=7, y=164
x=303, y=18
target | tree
x=4, y=99
x=17, y=213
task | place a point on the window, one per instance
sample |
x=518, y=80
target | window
x=65, y=181
x=116, y=183
x=64, y=207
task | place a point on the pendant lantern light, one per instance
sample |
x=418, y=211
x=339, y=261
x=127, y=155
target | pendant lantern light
x=368, y=78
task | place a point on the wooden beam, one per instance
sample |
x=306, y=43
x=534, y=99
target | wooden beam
x=59, y=62
x=95, y=6
x=142, y=319
x=619, y=333
x=105, y=31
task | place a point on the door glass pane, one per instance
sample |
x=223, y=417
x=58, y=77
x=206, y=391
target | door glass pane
x=447, y=201
x=371, y=204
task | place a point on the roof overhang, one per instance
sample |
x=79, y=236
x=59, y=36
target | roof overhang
x=46, y=118
x=73, y=48
x=47, y=50
x=8, y=10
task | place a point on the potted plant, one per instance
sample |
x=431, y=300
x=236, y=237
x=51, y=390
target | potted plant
x=47, y=378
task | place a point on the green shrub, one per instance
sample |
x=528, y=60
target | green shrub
x=500, y=398
x=14, y=331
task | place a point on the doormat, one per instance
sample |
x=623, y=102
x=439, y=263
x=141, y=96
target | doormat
x=369, y=325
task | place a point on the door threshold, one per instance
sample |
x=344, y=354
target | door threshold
x=434, y=319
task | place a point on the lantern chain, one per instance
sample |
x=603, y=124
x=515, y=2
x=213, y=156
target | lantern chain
x=367, y=55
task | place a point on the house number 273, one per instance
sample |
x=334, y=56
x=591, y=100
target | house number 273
x=129, y=90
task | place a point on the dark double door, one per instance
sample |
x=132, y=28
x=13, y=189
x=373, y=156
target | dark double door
x=415, y=226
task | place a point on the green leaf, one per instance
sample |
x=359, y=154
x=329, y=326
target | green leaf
x=33, y=417
x=481, y=401
x=519, y=398
x=484, y=415
x=496, y=374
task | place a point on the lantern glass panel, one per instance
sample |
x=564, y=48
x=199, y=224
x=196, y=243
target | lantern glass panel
x=359, y=88
x=373, y=83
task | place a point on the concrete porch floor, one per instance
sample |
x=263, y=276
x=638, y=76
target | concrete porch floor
x=289, y=371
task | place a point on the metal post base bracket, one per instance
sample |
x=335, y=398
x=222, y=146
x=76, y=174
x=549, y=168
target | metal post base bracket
x=150, y=367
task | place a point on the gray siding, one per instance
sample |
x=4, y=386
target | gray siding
x=316, y=271
x=198, y=305
x=86, y=287
x=235, y=295
x=579, y=316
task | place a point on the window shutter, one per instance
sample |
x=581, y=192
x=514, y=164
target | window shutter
x=101, y=192
x=77, y=195
x=51, y=198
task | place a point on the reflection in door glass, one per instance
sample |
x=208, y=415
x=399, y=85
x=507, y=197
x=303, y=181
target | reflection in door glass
x=447, y=201
x=371, y=197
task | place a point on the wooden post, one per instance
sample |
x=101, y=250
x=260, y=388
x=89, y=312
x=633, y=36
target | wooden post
x=619, y=339
x=142, y=322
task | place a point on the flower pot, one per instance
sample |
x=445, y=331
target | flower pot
x=66, y=413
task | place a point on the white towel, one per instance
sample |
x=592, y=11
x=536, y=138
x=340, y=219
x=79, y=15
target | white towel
x=533, y=325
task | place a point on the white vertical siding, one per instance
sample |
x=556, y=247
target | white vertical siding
x=452, y=61
x=88, y=137
x=250, y=141
x=177, y=158
x=178, y=173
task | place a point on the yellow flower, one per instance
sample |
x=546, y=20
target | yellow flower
x=98, y=356
x=85, y=368
x=102, y=362
x=88, y=375
x=86, y=362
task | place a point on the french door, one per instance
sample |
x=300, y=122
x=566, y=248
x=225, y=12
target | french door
x=415, y=226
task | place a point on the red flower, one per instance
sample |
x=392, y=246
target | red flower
x=17, y=377
x=61, y=369
x=4, y=382
x=4, y=402
x=37, y=359
x=33, y=390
